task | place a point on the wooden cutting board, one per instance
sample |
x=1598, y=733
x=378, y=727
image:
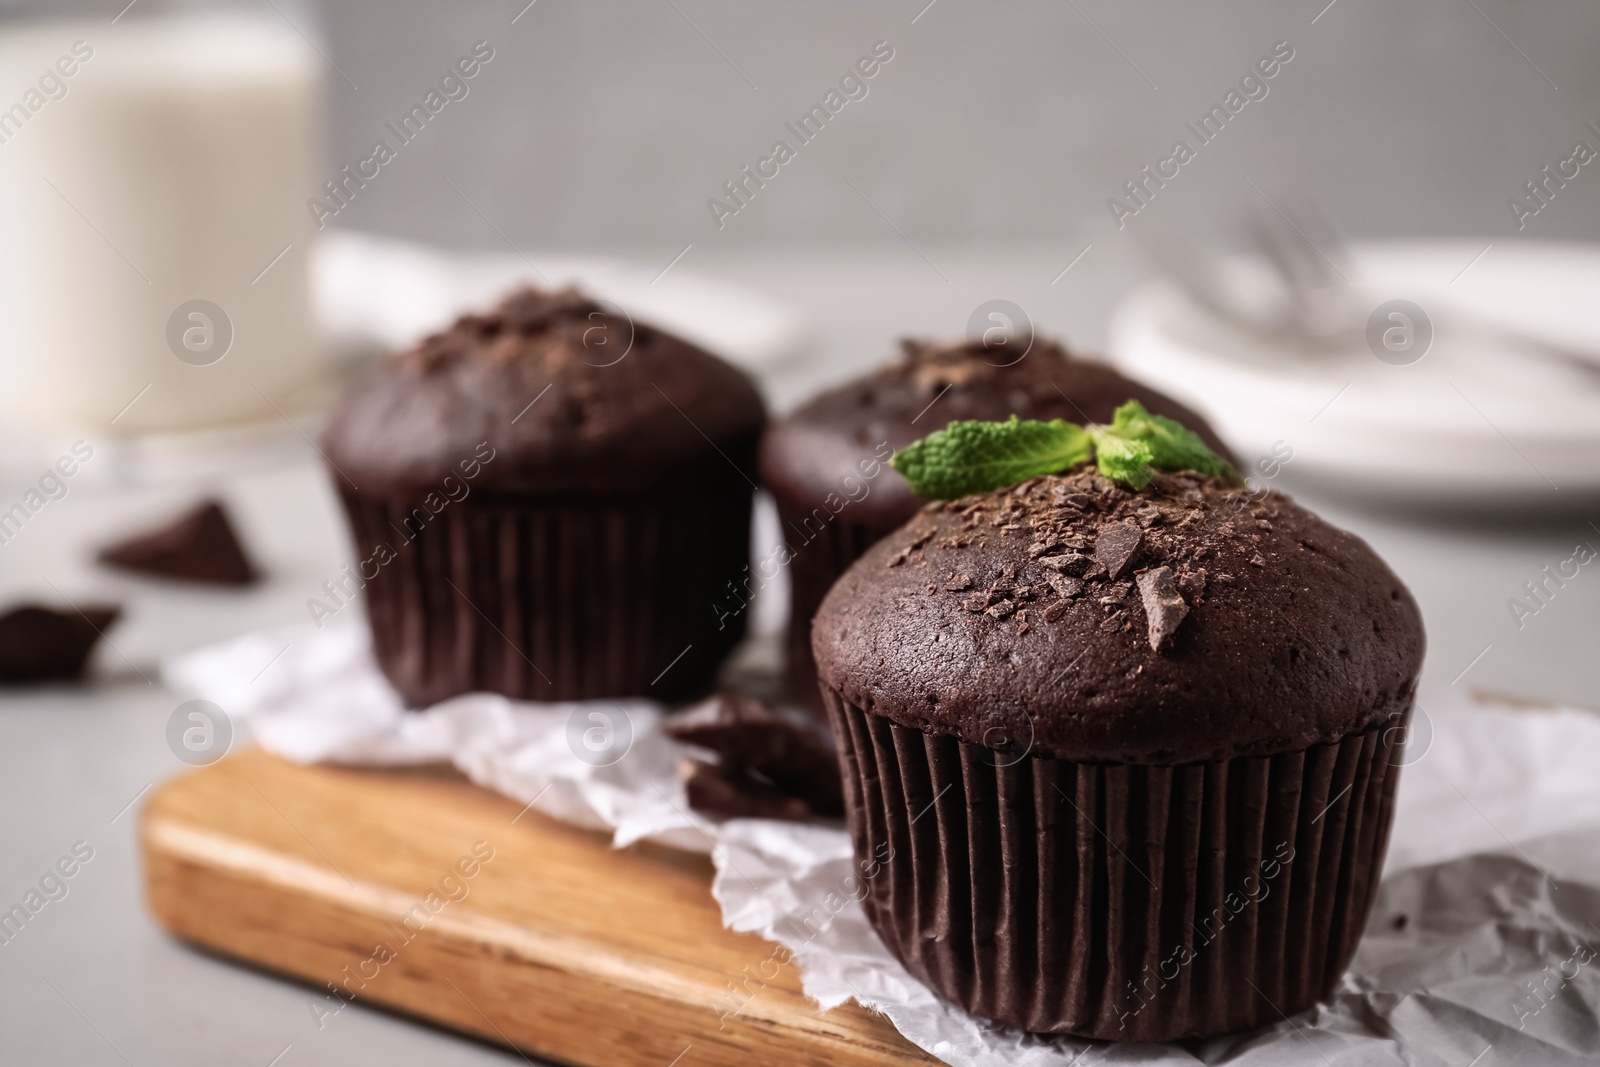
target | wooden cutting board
x=536, y=934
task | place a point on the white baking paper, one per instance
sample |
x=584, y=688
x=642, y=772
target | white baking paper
x=1482, y=949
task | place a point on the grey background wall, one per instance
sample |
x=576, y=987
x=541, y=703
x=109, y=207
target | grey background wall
x=610, y=122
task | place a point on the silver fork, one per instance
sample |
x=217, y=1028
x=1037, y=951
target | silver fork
x=1318, y=307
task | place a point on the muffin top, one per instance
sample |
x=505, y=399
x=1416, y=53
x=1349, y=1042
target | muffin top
x=571, y=397
x=1073, y=617
x=811, y=452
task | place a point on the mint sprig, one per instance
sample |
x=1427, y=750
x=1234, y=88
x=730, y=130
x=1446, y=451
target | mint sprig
x=1171, y=445
x=1123, y=459
x=974, y=457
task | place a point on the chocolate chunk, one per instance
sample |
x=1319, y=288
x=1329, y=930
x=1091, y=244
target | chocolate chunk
x=724, y=792
x=198, y=546
x=1192, y=584
x=1257, y=560
x=1002, y=609
x=750, y=737
x=1065, y=586
x=1073, y=499
x=1056, y=610
x=959, y=582
x=1071, y=563
x=1163, y=607
x=39, y=645
x=976, y=602
x=1116, y=547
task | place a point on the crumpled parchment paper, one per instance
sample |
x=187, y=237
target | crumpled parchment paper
x=1482, y=948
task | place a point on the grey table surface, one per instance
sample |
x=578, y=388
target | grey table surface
x=93, y=980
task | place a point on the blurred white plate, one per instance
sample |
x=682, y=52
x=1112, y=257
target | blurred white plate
x=1473, y=423
x=377, y=292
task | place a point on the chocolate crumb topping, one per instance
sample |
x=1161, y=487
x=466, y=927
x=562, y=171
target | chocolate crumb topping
x=1230, y=647
x=548, y=392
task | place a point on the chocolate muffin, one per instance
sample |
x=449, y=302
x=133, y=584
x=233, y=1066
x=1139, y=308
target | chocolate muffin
x=826, y=464
x=1133, y=753
x=547, y=500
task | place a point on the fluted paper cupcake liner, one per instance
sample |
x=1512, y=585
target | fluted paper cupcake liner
x=544, y=599
x=820, y=557
x=1113, y=901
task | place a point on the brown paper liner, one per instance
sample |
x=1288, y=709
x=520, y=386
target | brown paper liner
x=1114, y=901
x=556, y=599
x=819, y=557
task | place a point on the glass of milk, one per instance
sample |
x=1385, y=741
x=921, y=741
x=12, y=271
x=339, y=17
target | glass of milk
x=154, y=236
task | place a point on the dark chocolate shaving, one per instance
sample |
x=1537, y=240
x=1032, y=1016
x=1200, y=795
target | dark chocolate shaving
x=1163, y=607
x=1071, y=563
x=38, y=644
x=1067, y=587
x=1117, y=546
x=198, y=546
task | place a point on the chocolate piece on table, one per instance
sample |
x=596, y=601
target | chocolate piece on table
x=198, y=546
x=38, y=644
x=731, y=793
x=750, y=737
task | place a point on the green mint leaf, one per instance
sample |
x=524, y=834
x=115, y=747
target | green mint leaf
x=974, y=457
x=1122, y=459
x=1171, y=445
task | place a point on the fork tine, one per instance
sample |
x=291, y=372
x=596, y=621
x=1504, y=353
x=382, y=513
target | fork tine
x=1179, y=262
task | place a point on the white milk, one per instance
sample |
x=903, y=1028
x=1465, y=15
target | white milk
x=173, y=166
